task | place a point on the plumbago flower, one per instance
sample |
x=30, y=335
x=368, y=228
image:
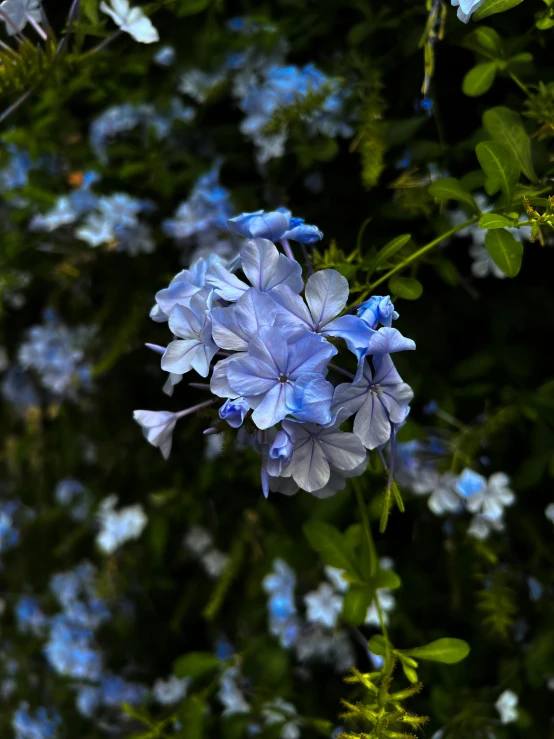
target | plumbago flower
x=265, y=339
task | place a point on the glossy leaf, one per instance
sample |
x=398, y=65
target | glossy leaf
x=479, y=79
x=195, y=664
x=391, y=248
x=490, y=7
x=405, y=287
x=448, y=651
x=356, y=602
x=505, y=250
x=450, y=189
x=500, y=166
x=330, y=544
x=494, y=220
x=506, y=127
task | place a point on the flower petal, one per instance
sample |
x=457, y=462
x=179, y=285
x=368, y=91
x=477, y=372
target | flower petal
x=326, y=294
x=225, y=284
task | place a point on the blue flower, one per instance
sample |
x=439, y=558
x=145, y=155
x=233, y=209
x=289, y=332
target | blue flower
x=170, y=691
x=117, y=527
x=30, y=618
x=280, y=453
x=466, y=8
x=265, y=268
x=274, y=226
x=235, y=326
x=181, y=288
x=267, y=374
x=311, y=400
x=18, y=11
x=323, y=606
x=70, y=650
x=41, y=725
x=318, y=450
x=116, y=690
x=131, y=20
x=165, y=56
x=234, y=412
x=157, y=427
x=326, y=294
x=471, y=483
x=88, y=700
x=378, y=401
x=378, y=310
x=194, y=348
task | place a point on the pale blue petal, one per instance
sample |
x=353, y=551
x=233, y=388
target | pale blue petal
x=219, y=384
x=259, y=260
x=178, y=293
x=294, y=316
x=372, y=425
x=202, y=359
x=344, y=450
x=309, y=354
x=184, y=323
x=326, y=295
x=250, y=376
x=179, y=355
x=388, y=340
x=225, y=284
x=353, y=330
x=270, y=347
x=311, y=400
x=272, y=409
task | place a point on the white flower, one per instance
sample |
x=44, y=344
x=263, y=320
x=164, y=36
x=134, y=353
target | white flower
x=444, y=498
x=549, y=512
x=131, y=20
x=323, y=606
x=491, y=502
x=157, y=427
x=18, y=11
x=215, y=562
x=506, y=707
x=117, y=527
x=170, y=691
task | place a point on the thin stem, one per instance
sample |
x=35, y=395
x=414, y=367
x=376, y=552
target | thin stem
x=73, y=12
x=286, y=247
x=102, y=45
x=45, y=21
x=412, y=258
x=307, y=259
x=520, y=84
x=16, y=105
x=36, y=26
x=342, y=371
x=194, y=408
x=200, y=386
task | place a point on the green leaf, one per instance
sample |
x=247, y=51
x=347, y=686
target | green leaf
x=448, y=651
x=490, y=7
x=450, y=189
x=356, y=602
x=378, y=645
x=500, y=166
x=405, y=287
x=195, y=664
x=192, y=7
x=505, y=250
x=90, y=9
x=493, y=220
x=506, y=127
x=386, y=579
x=409, y=671
x=330, y=545
x=391, y=248
x=192, y=717
x=487, y=39
x=479, y=79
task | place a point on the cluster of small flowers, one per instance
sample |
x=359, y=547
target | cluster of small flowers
x=453, y=494
x=38, y=725
x=57, y=354
x=277, y=354
x=316, y=637
x=9, y=531
x=200, y=543
x=73, y=495
x=111, y=220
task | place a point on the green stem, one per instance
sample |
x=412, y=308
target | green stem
x=520, y=84
x=414, y=256
x=373, y=564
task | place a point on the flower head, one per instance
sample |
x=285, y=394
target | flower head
x=131, y=20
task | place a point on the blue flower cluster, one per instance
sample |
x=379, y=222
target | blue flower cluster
x=57, y=354
x=117, y=527
x=316, y=636
x=276, y=347
x=416, y=469
x=40, y=725
x=282, y=86
x=9, y=531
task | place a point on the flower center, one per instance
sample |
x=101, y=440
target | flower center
x=283, y=379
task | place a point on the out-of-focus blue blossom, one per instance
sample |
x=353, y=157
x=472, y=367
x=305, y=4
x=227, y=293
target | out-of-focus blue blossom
x=249, y=26
x=30, y=618
x=71, y=651
x=200, y=543
x=471, y=484
x=41, y=724
x=535, y=588
x=234, y=412
x=549, y=512
x=279, y=711
x=207, y=208
x=230, y=694
x=198, y=84
x=506, y=705
x=378, y=310
x=115, y=222
x=68, y=208
x=319, y=644
x=118, y=527
x=131, y=20
x=165, y=56
x=378, y=399
x=170, y=691
x=73, y=494
x=466, y=8
x=281, y=87
x=223, y=648
x=9, y=534
x=18, y=390
x=323, y=606
x=115, y=691
x=15, y=174
x=280, y=585
x=57, y=353
x=123, y=118
x=88, y=700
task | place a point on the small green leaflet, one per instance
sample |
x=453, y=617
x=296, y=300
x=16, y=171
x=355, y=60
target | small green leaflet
x=391, y=248
x=450, y=188
x=195, y=664
x=505, y=250
x=448, y=651
x=356, y=602
x=479, y=79
x=500, y=166
x=493, y=220
x=406, y=287
x=330, y=544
